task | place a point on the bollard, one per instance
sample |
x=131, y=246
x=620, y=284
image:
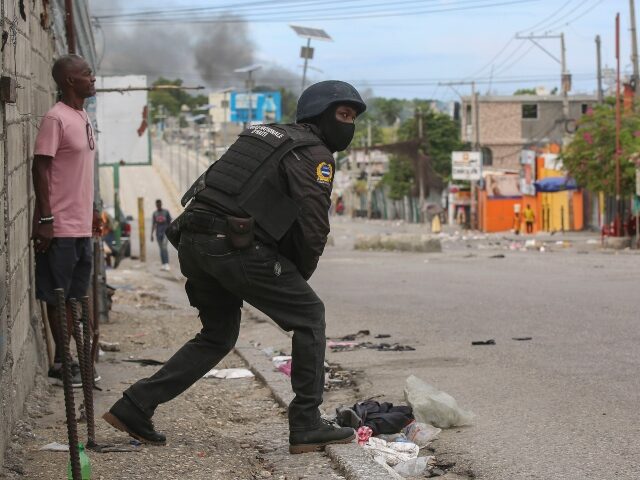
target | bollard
x=72, y=427
x=88, y=386
x=141, y=234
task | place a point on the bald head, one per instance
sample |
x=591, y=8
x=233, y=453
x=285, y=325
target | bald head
x=73, y=76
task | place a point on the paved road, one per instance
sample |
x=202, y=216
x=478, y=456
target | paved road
x=562, y=406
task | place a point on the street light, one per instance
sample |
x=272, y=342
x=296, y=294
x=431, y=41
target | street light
x=225, y=106
x=249, y=70
x=307, y=52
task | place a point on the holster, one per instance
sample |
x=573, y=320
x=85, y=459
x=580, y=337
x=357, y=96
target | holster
x=173, y=231
x=241, y=232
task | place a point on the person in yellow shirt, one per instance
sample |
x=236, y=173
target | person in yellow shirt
x=529, y=218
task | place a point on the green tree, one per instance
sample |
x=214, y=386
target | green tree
x=400, y=177
x=590, y=157
x=525, y=91
x=442, y=135
x=172, y=100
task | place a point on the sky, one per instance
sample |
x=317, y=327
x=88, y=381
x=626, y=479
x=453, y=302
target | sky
x=393, y=53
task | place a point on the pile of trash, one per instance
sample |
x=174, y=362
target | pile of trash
x=397, y=435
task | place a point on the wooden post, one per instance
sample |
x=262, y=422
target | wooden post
x=143, y=237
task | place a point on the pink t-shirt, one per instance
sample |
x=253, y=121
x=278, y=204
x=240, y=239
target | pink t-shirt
x=63, y=136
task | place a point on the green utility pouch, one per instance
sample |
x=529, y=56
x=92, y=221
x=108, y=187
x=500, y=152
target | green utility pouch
x=240, y=232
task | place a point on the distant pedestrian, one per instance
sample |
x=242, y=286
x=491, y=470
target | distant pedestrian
x=160, y=220
x=64, y=218
x=529, y=218
x=461, y=217
x=516, y=222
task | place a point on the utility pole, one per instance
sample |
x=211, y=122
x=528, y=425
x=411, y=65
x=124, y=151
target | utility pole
x=419, y=159
x=565, y=75
x=599, y=67
x=306, y=63
x=68, y=23
x=476, y=142
x=634, y=48
x=369, y=169
x=476, y=147
x=618, y=219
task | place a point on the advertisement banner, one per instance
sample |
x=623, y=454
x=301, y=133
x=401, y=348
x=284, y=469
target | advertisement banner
x=266, y=107
x=121, y=118
x=466, y=165
x=528, y=172
x=503, y=186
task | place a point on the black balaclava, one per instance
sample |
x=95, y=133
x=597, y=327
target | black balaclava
x=337, y=135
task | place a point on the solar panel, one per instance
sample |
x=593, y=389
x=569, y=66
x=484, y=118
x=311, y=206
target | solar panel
x=315, y=33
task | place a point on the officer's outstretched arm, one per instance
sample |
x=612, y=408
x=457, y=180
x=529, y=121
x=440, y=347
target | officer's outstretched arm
x=309, y=175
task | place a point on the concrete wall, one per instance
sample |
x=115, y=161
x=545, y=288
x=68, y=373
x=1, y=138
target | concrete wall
x=27, y=57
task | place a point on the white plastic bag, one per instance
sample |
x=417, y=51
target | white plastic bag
x=432, y=406
x=421, y=433
x=413, y=467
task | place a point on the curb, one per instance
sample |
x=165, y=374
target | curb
x=351, y=460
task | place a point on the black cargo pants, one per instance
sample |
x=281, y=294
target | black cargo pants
x=218, y=280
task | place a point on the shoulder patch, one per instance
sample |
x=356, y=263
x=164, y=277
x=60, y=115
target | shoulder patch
x=324, y=172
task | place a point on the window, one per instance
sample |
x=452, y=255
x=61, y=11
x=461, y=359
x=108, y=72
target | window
x=584, y=108
x=530, y=111
x=487, y=157
x=468, y=119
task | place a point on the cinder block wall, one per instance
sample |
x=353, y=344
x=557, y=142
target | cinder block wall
x=27, y=57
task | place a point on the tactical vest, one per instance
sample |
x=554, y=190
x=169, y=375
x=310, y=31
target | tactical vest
x=245, y=178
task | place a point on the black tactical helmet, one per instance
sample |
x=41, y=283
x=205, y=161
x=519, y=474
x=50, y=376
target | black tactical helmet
x=319, y=96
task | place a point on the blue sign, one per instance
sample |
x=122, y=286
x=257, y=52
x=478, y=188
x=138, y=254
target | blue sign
x=266, y=107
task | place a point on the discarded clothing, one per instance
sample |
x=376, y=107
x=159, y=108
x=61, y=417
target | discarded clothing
x=382, y=418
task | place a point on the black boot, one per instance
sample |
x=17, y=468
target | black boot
x=314, y=440
x=125, y=416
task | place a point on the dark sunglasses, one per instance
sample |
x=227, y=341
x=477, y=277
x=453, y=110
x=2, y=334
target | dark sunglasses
x=92, y=143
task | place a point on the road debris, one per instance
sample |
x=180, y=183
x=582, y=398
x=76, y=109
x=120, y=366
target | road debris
x=433, y=406
x=522, y=339
x=55, y=447
x=364, y=434
x=146, y=362
x=109, y=346
x=484, y=342
x=415, y=466
x=229, y=373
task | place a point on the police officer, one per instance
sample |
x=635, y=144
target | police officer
x=254, y=228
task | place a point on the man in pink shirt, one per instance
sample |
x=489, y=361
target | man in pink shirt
x=63, y=183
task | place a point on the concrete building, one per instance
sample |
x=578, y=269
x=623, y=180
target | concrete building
x=508, y=124
x=33, y=42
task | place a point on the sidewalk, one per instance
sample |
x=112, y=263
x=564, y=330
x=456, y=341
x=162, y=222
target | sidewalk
x=218, y=429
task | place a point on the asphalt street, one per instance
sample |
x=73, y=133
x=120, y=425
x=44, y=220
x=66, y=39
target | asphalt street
x=561, y=406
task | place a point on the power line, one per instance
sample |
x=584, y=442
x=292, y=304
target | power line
x=534, y=28
x=547, y=18
x=517, y=60
x=556, y=25
x=262, y=18
x=264, y=5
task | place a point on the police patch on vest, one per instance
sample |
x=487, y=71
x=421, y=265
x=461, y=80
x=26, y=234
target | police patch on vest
x=324, y=172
